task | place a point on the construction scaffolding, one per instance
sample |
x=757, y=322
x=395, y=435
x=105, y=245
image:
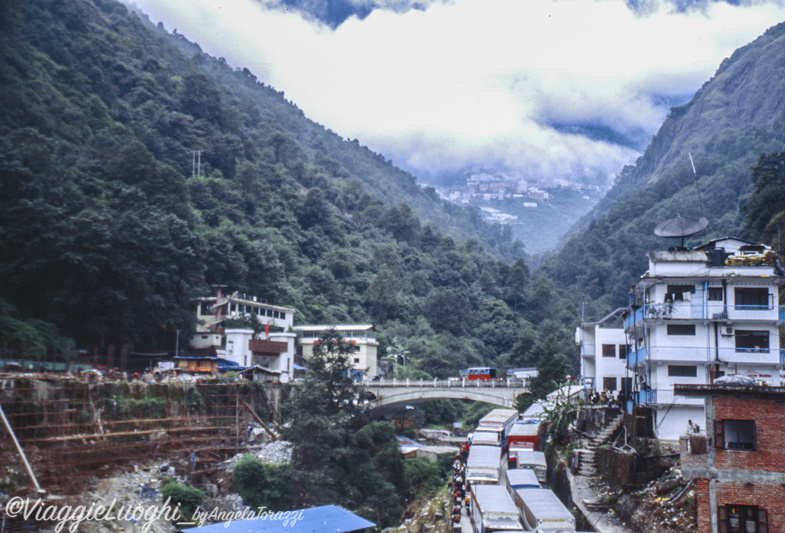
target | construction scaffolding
x=73, y=430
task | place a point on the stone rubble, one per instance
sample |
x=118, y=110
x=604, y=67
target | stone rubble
x=140, y=487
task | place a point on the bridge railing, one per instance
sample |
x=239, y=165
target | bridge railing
x=444, y=383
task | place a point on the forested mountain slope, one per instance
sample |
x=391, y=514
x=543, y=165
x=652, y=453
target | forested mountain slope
x=736, y=116
x=108, y=234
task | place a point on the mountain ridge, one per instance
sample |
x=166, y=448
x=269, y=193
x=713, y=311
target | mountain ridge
x=736, y=115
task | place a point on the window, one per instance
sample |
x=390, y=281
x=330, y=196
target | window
x=752, y=298
x=734, y=434
x=682, y=371
x=609, y=350
x=680, y=293
x=681, y=329
x=609, y=384
x=622, y=351
x=715, y=294
x=742, y=519
x=752, y=341
x=356, y=360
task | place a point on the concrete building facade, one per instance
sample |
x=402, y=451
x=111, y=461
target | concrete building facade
x=361, y=336
x=211, y=312
x=604, y=359
x=737, y=460
x=274, y=353
x=699, y=314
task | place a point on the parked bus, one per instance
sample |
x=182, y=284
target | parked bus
x=479, y=374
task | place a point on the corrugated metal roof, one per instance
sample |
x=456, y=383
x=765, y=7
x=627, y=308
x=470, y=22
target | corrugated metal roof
x=325, y=519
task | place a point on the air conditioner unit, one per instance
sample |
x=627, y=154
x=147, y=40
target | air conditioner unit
x=726, y=331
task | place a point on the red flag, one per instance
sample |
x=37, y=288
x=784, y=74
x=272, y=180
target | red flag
x=267, y=329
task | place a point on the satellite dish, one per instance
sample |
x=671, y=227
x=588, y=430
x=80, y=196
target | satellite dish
x=681, y=227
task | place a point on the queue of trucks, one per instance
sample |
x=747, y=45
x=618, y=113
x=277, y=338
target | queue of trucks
x=512, y=499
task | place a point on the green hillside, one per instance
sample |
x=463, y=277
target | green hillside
x=736, y=116
x=108, y=234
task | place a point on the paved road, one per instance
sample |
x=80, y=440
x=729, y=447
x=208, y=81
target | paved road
x=466, y=523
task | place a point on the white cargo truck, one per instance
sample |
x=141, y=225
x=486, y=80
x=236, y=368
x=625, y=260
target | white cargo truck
x=483, y=466
x=534, y=461
x=541, y=510
x=499, y=421
x=492, y=509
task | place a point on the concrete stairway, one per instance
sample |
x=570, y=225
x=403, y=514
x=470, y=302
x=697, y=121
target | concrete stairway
x=586, y=464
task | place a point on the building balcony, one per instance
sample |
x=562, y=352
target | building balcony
x=588, y=350
x=676, y=354
x=657, y=397
x=698, y=355
x=636, y=357
x=703, y=311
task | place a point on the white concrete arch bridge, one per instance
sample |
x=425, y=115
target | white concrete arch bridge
x=387, y=395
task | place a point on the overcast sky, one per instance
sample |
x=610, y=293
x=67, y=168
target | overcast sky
x=498, y=85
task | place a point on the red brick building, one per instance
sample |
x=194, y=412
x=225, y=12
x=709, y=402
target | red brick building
x=738, y=463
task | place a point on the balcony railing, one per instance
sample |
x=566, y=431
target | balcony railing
x=665, y=397
x=703, y=354
x=637, y=356
x=704, y=311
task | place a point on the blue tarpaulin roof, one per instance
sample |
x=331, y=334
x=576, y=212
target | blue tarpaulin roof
x=325, y=519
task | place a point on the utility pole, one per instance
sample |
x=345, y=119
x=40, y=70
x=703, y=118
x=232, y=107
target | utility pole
x=196, y=164
x=177, y=344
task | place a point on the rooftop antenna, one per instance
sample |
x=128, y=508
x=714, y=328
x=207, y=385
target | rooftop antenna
x=700, y=203
x=681, y=227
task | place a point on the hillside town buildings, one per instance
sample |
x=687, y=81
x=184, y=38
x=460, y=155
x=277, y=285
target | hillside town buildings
x=274, y=348
x=696, y=315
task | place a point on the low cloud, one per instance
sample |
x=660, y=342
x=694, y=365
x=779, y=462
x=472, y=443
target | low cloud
x=450, y=85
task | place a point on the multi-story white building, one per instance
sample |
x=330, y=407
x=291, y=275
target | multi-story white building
x=604, y=358
x=211, y=312
x=700, y=314
x=362, y=337
x=272, y=355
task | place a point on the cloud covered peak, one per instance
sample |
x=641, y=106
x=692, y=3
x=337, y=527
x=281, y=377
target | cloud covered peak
x=545, y=89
